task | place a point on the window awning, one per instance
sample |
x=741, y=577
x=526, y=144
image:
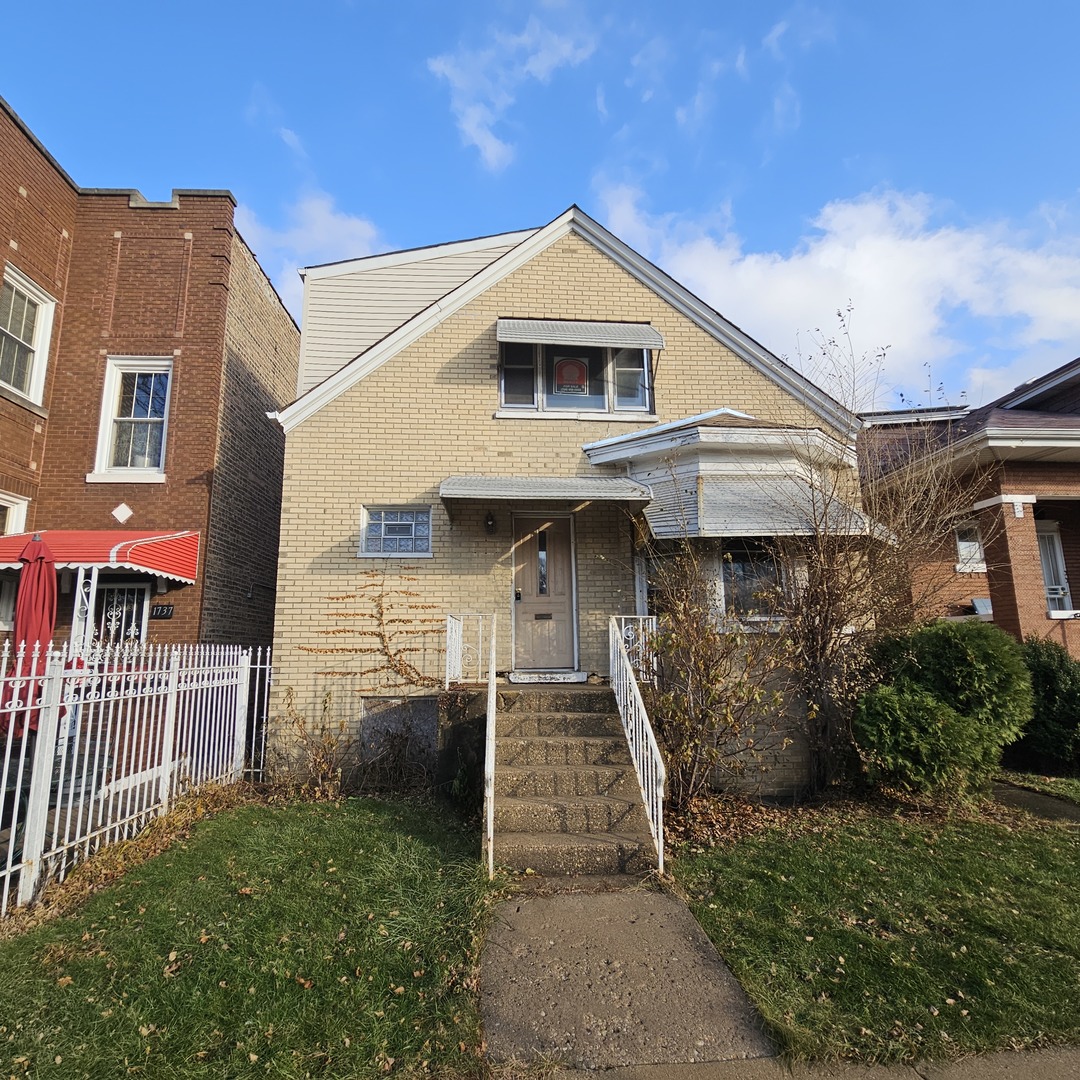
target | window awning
x=173, y=555
x=530, y=489
x=571, y=332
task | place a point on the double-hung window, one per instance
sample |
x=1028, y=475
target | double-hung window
x=396, y=530
x=574, y=378
x=134, y=420
x=26, y=314
x=970, y=557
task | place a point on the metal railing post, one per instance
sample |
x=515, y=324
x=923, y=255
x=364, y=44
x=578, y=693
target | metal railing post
x=243, y=686
x=37, y=810
x=168, y=735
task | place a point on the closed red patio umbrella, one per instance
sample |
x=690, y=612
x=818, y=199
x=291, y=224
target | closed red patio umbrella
x=35, y=618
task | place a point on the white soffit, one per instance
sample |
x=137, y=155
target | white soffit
x=576, y=332
x=538, y=488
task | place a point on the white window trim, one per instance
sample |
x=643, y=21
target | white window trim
x=537, y=410
x=969, y=566
x=103, y=472
x=8, y=588
x=16, y=507
x=399, y=555
x=46, y=305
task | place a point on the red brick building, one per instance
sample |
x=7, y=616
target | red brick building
x=141, y=347
x=1017, y=557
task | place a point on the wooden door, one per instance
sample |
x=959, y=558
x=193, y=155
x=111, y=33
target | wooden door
x=544, y=616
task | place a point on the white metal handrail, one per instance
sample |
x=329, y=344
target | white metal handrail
x=644, y=750
x=465, y=649
x=489, y=758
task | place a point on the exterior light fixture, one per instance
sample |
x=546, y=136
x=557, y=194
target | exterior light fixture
x=489, y=524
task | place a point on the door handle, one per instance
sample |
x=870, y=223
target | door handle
x=517, y=596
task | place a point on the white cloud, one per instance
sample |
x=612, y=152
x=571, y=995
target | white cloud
x=484, y=82
x=742, y=66
x=601, y=103
x=980, y=307
x=292, y=141
x=771, y=40
x=316, y=231
x=787, y=108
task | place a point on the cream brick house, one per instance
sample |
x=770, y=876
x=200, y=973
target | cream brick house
x=485, y=427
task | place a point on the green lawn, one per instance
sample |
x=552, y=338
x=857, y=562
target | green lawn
x=1064, y=787
x=324, y=940
x=887, y=937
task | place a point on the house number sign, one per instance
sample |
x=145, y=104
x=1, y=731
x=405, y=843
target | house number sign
x=161, y=611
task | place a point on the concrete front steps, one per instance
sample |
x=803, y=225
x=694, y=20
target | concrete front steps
x=567, y=799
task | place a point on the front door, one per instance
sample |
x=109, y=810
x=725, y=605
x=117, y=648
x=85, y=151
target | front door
x=1053, y=566
x=544, y=619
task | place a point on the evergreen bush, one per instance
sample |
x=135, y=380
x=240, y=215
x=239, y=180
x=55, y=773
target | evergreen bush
x=952, y=696
x=1052, y=739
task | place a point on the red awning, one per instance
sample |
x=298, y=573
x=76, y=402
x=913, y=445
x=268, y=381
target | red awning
x=172, y=555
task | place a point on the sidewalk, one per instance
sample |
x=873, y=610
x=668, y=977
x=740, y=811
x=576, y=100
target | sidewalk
x=1057, y=1064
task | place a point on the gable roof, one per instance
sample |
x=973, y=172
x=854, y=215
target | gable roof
x=1028, y=393
x=573, y=220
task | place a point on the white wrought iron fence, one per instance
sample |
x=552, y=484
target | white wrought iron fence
x=644, y=750
x=94, y=746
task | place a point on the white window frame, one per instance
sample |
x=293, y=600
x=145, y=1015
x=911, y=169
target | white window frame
x=969, y=562
x=366, y=511
x=537, y=408
x=16, y=508
x=104, y=472
x=8, y=588
x=46, y=305
x=728, y=545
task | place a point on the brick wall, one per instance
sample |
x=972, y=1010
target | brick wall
x=261, y=351
x=37, y=221
x=428, y=414
x=145, y=280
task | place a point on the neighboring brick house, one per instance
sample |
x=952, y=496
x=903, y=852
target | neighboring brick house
x=487, y=427
x=141, y=347
x=1016, y=554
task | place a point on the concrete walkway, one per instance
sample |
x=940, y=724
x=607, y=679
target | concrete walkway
x=589, y=974
x=597, y=980
x=1035, y=802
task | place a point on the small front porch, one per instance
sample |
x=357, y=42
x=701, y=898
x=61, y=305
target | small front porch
x=561, y=554
x=1032, y=553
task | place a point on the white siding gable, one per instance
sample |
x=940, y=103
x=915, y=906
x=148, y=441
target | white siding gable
x=349, y=306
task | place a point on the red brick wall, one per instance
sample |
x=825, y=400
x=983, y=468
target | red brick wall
x=37, y=221
x=144, y=281
x=164, y=280
x=262, y=346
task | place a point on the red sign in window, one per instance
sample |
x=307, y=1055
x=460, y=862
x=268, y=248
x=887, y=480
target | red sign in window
x=571, y=376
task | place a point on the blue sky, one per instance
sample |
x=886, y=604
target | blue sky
x=918, y=160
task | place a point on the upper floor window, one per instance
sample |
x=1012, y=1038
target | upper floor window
x=574, y=378
x=970, y=557
x=25, y=329
x=12, y=513
x=134, y=421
